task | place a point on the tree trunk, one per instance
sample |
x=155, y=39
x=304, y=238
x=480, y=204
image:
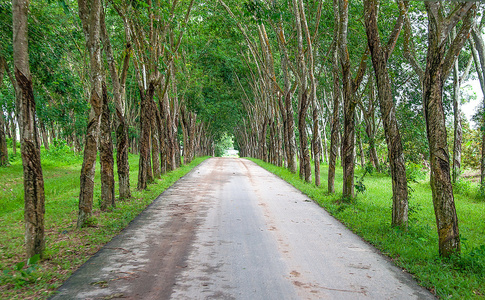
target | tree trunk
x=313, y=99
x=118, y=83
x=14, y=136
x=335, y=125
x=45, y=139
x=458, y=132
x=33, y=178
x=144, y=171
x=155, y=138
x=3, y=142
x=349, y=105
x=482, y=160
x=3, y=124
x=388, y=111
x=438, y=66
x=305, y=167
x=89, y=13
x=106, y=157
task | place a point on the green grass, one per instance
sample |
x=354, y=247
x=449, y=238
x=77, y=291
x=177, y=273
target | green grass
x=66, y=247
x=415, y=250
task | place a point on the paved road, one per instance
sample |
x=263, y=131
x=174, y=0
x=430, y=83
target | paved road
x=231, y=230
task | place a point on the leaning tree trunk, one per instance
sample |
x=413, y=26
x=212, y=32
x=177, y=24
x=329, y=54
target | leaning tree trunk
x=106, y=157
x=33, y=178
x=89, y=13
x=438, y=66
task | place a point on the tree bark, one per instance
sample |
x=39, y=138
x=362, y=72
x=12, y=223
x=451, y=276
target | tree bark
x=34, y=197
x=349, y=105
x=438, y=66
x=106, y=156
x=335, y=126
x=458, y=131
x=144, y=172
x=89, y=13
x=3, y=124
x=305, y=167
x=155, y=138
x=3, y=142
x=380, y=56
x=118, y=82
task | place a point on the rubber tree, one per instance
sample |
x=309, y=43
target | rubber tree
x=478, y=51
x=118, y=81
x=380, y=55
x=458, y=80
x=335, y=124
x=34, y=197
x=439, y=62
x=3, y=130
x=349, y=87
x=89, y=13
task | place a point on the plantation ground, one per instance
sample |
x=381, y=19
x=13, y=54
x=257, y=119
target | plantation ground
x=66, y=247
x=369, y=216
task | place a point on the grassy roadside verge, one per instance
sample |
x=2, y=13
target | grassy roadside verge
x=66, y=247
x=415, y=250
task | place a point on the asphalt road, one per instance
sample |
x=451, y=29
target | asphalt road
x=231, y=230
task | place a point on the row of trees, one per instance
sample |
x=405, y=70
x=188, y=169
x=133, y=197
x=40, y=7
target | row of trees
x=292, y=80
x=324, y=64
x=130, y=61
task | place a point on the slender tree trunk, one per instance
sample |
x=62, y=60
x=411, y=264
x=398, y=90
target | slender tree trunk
x=313, y=98
x=118, y=83
x=334, y=133
x=14, y=136
x=438, y=66
x=33, y=178
x=89, y=13
x=155, y=142
x=144, y=171
x=458, y=132
x=45, y=138
x=388, y=112
x=3, y=124
x=305, y=167
x=106, y=156
x=3, y=142
x=482, y=160
x=316, y=146
x=349, y=106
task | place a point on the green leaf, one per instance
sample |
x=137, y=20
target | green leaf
x=33, y=260
x=19, y=266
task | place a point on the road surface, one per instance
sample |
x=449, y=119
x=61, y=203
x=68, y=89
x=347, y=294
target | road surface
x=232, y=230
